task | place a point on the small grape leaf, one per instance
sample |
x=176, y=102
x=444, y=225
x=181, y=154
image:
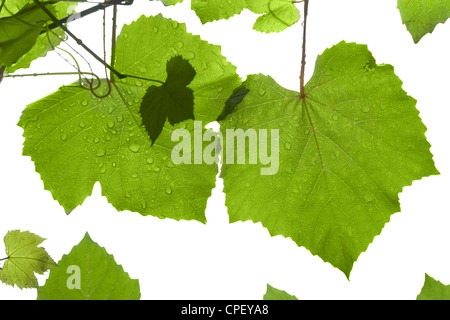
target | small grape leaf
x=170, y=2
x=422, y=16
x=173, y=100
x=25, y=259
x=345, y=153
x=19, y=33
x=434, y=290
x=213, y=10
x=45, y=42
x=277, y=15
x=276, y=294
x=89, y=272
x=11, y=7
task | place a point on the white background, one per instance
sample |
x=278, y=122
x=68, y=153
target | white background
x=188, y=260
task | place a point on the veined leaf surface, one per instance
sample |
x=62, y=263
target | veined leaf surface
x=345, y=153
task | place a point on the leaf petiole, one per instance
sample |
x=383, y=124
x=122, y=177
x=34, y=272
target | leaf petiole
x=302, y=72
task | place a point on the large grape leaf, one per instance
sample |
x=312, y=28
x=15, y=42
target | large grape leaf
x=422, y=16
x=212, y=10
x=346, y=151
x=434, y=290
x=24, y=259
x=277, y=15
x=276, y=294
x=74, y=137
x=88, y=272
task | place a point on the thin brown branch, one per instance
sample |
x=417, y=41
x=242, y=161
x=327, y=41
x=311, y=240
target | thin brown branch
x=302, y=72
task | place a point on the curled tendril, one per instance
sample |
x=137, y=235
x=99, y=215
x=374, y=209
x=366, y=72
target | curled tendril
x=92, y=84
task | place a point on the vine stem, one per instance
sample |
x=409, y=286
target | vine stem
x=302, y=84
x=113, y=40
x=92, y=53
x=303, y=66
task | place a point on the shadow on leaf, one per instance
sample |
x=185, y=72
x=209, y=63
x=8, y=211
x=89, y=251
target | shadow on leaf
x=172, y=101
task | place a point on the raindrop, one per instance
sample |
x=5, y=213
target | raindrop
x=100, y=152
x=135, y=148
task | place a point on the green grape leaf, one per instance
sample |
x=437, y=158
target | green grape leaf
x=173, y=100
x=24, y=259
x=170, y=2
x=11, y=7
x=276, y=294
x=89, y=272
x=145, y=46
x=277, y=14
x=73, y=136
x=45, y=42
x=345, y=153
x=213, y=10
x=434, y=290
x=19, y=33
x=422, y=16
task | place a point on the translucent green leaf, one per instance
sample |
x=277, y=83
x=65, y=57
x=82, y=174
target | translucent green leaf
x=11, y=7
x=276, y=294
x=212, y=10
x=345, y=153
x=422, y=16
x=25, y=259
x=434, y=290
x=145, y=46
x=172, y=101
x=277, y=15
x=45, y=42
x=18, y=33
x=170, y=2
x=73, y=136
x=88, y=272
